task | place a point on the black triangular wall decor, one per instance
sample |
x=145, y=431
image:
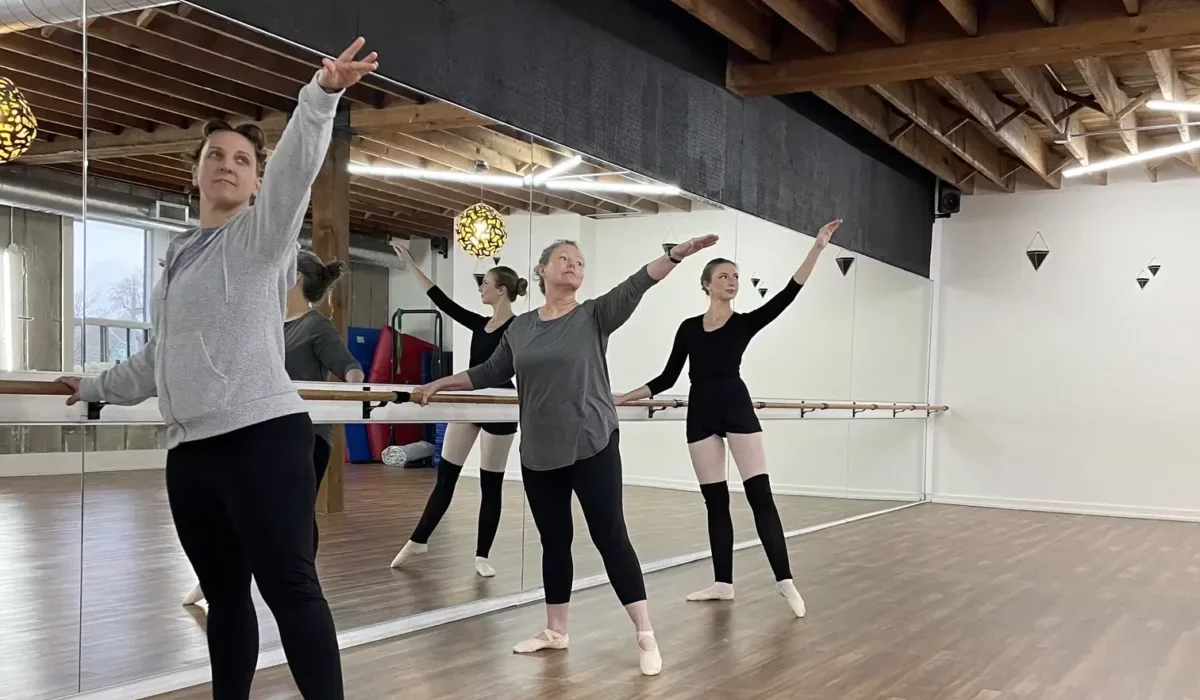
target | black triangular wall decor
x=1143, y=281
x=762, y=291
x=754, y=281
x=1154, y=269
x=1037, y=257
x=479, y=278
x=667, y=248
x=496, y=260
x=844, y=264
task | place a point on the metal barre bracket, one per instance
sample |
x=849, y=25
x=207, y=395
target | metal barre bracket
x=651, y=410
x=93, y=409
x=855, y=411
x=397, y=397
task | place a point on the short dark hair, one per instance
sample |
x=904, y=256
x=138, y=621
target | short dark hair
x=514, y=284
x=707, y=273
x=316, y=277
x=251, y=132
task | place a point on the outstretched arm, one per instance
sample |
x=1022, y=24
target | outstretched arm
x=290, y=172
x=770, y=311
x=127, y=384
x=614, y=307
x=331, y=351
x=669, y=376
x=495, y=372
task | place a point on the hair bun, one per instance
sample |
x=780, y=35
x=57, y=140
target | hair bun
x=333, y=271
x=522, y=287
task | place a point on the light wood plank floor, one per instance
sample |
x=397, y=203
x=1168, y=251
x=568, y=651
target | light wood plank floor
x=929, y=603
x=134, y=575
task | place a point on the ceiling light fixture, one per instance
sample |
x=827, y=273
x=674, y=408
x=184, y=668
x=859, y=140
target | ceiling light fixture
x=1172, y=106
x=1142, y=157
x=547, y=179
x=18, y=126
x=621, y=187
x=385, y=171
x=555, y=171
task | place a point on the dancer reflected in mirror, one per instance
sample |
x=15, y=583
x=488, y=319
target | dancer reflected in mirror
x=501, y=287
x=571, y=443
x=719, y=410
x=240, y=477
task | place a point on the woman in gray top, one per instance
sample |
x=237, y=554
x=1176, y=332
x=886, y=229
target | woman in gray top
x=240, y=479
x=571, y=442
x=314, y=350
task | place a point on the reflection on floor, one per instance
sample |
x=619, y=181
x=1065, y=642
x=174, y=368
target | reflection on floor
x=929, y=603
x=134, y=574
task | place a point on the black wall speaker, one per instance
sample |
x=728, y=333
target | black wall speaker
x=440, y=245
x=949, y=201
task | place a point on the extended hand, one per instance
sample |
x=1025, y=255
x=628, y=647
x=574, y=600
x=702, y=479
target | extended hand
x=421, y=394
x=72, y=382
x=402, y=252
x=622, y=400
x=341, y=73
x=695, y=245
x=826, y=232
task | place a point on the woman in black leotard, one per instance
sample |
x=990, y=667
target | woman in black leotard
x=500, y=288
x=719, y=407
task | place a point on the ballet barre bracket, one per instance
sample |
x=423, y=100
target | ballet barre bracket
x=651, y=410
x=855, y=411
x=93, y=409
x=397, y=397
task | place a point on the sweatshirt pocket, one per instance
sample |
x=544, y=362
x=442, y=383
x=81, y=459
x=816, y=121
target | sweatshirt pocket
x=195, y=387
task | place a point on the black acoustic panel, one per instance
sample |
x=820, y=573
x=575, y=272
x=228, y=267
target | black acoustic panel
x=324, y=26
x=638, y=83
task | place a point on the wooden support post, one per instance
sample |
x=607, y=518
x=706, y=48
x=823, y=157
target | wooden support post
x=331, y=241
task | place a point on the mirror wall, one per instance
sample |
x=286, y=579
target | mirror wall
x=95, y=589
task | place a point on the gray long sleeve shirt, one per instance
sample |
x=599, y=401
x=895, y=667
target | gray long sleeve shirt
x=215, y=358
x=314, y=351
x=564, y=396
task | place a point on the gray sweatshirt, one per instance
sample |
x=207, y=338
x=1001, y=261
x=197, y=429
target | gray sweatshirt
x=564, y=396
x=215, y=358
x=314, y=350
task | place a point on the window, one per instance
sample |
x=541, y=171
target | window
x=111, y=291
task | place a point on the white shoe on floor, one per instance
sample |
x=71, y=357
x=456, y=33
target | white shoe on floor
x=410, y=550
x=787, y=589
x=546, y=639
x=484, y=568
x=650, y=660
x=194, y=597
x=717, y=591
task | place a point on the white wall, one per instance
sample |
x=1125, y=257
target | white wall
x=1070, y=387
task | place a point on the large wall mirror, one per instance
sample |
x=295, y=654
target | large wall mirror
x=95, y=581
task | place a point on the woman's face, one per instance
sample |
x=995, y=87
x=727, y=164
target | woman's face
x=564, y=268
x=489, y=293
x=227, y=174
x=724, y=284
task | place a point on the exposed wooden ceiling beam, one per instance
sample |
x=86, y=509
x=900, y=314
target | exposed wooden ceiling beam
x=737, y=20
x=870, y=112
x=1045, y=9
x=816, y=19
x=1133, y=6
x=1077, y=36
x=965, y=13
x=1167, y=75
x=920, y=104
x=978, y=99
x=887, y=15
x=176, y=140
x=1034, y=87
x=1112, y=98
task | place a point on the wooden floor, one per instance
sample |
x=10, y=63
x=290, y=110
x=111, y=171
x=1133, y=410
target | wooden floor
x=133, y=574
x=929, y=603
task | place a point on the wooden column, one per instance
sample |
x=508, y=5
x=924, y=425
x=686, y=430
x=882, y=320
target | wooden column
x=331, y=241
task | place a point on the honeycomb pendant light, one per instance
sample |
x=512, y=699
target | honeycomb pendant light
x=18, y=126
x=480, y=231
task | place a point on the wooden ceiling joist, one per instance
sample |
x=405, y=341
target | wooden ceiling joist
x=1112, y=99
x=1166, y=73
x=1045, y=10
x=1078, y=36
x=1034, y=87
x=886, y=15
x=816, y=19
x=738, y=20
x=965, y=13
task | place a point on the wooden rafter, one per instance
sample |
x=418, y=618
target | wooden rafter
x=886, y=15
x=1034, y=87
x=1112, y=98
x=1162, y=62
x=816, y=19
x=738, y=20
x=965, y=13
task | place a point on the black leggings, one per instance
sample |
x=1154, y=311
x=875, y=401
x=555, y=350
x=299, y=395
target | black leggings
x=766, y=521
x=321, y=452
x=491, y=492
x=596, y=481
x=243, y=506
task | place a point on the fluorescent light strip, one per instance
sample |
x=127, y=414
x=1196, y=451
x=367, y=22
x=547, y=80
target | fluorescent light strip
x=630, y=188
x=1171, y=106
x=1130, y=160
x=563, y=167
x=437, y=175
x=7, y=325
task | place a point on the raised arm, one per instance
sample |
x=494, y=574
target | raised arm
x=613, y=308
x=126, y=384
x=333, y=354
x=495, y=372
x=770, y=311
x=670, y=373
x=470, y=319
x=291, y=170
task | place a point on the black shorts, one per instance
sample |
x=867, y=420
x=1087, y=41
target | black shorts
x=719, y=408
x=498, y=428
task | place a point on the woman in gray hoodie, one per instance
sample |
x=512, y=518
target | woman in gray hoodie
x=240, y=477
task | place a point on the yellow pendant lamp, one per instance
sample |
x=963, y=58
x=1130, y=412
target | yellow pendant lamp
x=480, y=231
x=18, y=126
